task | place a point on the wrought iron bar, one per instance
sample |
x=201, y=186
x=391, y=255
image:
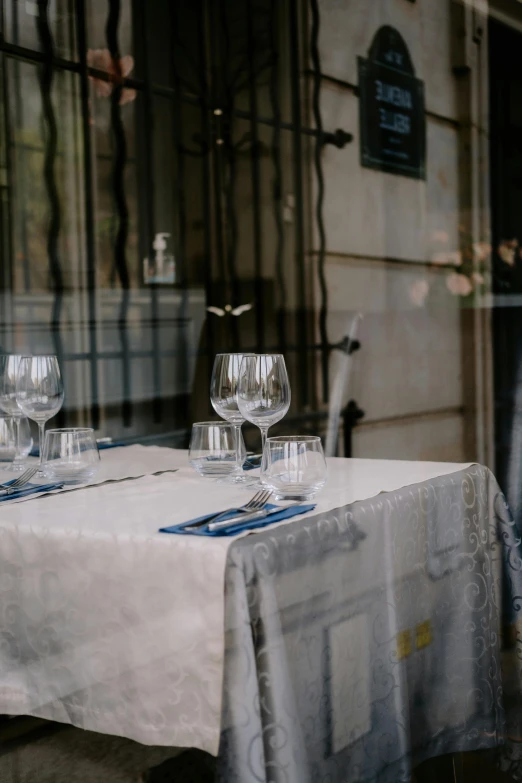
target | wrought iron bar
x=18, y=156
x=46, y=76
x=206, y=171
x=7, y=184
x=256, y=182
x=89, y=214
x=60, y=63
x=216, y=142
x=180, y=246
x=301, y=315
x=6, y=221
x=323, y=313
x=120, y=156
x=230, y=174
x=147, y=203
x=173, y=352
x=277, y=182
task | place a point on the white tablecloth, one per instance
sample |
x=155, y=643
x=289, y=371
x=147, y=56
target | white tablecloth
x=362, y=641
x=117, y=464
x=109, y=625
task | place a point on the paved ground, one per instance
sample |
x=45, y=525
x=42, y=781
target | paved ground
x=33, y=751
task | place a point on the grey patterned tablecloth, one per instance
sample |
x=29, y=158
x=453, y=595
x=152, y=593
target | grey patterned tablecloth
x=362, y=641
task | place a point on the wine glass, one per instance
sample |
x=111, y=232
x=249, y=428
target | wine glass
x=8, y=374
x=223, y=396
x=263, y=392
x=39, y=391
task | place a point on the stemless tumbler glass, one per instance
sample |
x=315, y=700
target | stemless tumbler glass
x=7, y=442
x=9, y=364
x=212, y=450
x=263, y=392
x=223, y=396
x=24, y=439
x=39, y=391
x=293, y=466
x=70, y=455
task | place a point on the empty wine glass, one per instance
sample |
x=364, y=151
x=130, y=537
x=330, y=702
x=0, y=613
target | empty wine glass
x=9, y=364
x=263, y=393
x=223, y=396
x=39, y=391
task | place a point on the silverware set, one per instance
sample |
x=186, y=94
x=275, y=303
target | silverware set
x=25, y=478
x=255, y=504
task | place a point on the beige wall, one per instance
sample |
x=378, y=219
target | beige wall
x=385, y=231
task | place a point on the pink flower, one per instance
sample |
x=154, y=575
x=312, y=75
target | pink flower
x=481, y=251
x=453, y=258
x=506, y=251
x=478, y=278
x=101, y=60
x=459, y=285
x=418, y=292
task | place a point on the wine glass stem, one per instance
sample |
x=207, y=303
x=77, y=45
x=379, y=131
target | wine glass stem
x=237, y=432
x=264, y=431
x=41, y=436
x=17, y=436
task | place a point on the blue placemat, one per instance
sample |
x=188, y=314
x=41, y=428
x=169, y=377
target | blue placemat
x=29, y=489
x=252, y=464
x=286, y=513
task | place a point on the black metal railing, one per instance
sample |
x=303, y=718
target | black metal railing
x=223, y=57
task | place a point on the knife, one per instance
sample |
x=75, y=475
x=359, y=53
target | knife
x=232, y=521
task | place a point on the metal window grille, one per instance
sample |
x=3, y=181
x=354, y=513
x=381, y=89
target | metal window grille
x=226, y=119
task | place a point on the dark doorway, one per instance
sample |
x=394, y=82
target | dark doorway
x=505, y=90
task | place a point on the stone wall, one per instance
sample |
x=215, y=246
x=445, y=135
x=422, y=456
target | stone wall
x=391, y=239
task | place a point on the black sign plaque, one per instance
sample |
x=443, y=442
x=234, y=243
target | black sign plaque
x=391, y=112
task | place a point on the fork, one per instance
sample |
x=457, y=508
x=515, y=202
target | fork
x=254, y=504
x=20, y=481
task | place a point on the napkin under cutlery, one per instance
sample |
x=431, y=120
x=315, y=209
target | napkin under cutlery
x=275, y=514
x=252, y=462
x=28, y=489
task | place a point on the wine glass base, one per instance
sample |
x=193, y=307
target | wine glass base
x=239, y=479
x=18, y=467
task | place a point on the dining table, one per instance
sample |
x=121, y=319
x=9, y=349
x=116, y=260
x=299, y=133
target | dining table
x=349, y=643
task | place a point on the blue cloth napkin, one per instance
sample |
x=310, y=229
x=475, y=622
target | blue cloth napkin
x=286, y=513
x=29, y=489
x=252, y=463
